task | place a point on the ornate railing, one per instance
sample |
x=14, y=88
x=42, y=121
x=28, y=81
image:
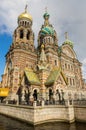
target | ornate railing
x=47, y=102
x=79, y=102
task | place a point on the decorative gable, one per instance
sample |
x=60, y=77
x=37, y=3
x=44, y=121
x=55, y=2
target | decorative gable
x=56, y=75
x=31, y=77
x=68, y=51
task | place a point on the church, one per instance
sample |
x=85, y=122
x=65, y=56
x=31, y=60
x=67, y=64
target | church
x=45, y=71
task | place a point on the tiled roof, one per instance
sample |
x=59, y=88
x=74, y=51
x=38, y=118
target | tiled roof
x=32, y=77
x=54, y=75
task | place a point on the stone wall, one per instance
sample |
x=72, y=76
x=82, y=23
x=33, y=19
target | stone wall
x=18, y=112
x=80, y=113
x=53, y=113
x=39, y=114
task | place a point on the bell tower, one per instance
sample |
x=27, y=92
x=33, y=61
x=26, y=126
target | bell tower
x=22, y=52
x=23, y=35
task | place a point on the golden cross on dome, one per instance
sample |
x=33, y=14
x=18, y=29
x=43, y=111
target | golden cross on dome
x=26, y=8
x=46, y=9
x=66, y=35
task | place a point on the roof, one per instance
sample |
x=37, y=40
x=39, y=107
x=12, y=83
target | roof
x=54, y=76
x=25, y=15
x=32, y=77
x=47, y=30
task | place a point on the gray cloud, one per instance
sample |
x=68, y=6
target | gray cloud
x=65, y=15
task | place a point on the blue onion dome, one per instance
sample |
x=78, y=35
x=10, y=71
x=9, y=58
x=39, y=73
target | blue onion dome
x=47, y=30
x=46, y=16
x=68, y=42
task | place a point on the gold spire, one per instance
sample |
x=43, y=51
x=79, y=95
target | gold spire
x=66, y=35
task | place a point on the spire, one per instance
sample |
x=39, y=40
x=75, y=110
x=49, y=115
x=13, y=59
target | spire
x=46, y=17
x=66, y=35
x=26, y=8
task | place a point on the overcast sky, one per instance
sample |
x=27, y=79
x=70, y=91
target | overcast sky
x=65, y=15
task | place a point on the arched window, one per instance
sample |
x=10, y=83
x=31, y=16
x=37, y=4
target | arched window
x=68, y=66
x=48, y=40
x=55, y=62
x=35, y=96
x=28, y=23
x=21, y=34
x=70, y=81
x=65, y=65
x=73, y=82
x=50, y=94
x=25, y=23
x=28, y=35
x=67, y=79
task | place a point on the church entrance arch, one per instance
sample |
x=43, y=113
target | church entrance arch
x=35, y=96
x=50, y=94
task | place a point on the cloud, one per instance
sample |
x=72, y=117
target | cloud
x=65, y=15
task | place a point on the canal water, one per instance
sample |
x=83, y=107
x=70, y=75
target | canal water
x=11, y=124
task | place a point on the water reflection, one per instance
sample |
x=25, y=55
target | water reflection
x=11, y=124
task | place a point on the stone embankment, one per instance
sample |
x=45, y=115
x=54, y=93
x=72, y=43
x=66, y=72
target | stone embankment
x=45, y=113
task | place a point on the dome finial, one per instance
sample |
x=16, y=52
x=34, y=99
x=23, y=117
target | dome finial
x=66, y=35
x=26, y=8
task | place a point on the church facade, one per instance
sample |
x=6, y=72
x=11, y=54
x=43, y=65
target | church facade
x=43, y=72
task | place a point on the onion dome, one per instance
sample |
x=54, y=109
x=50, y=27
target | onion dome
x=46, y=16
x=67, y=41
x=25, y=15
x=47, y=30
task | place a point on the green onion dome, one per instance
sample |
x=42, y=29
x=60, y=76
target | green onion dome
x=46, y=16
x=68, y=42
x=47, y=30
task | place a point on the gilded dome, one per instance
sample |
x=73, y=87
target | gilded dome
x=47, y=30
x=25, y=15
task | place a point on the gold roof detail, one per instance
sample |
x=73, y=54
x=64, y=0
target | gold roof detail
x=55, y=73
x=25, y=15
x=32, y=77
